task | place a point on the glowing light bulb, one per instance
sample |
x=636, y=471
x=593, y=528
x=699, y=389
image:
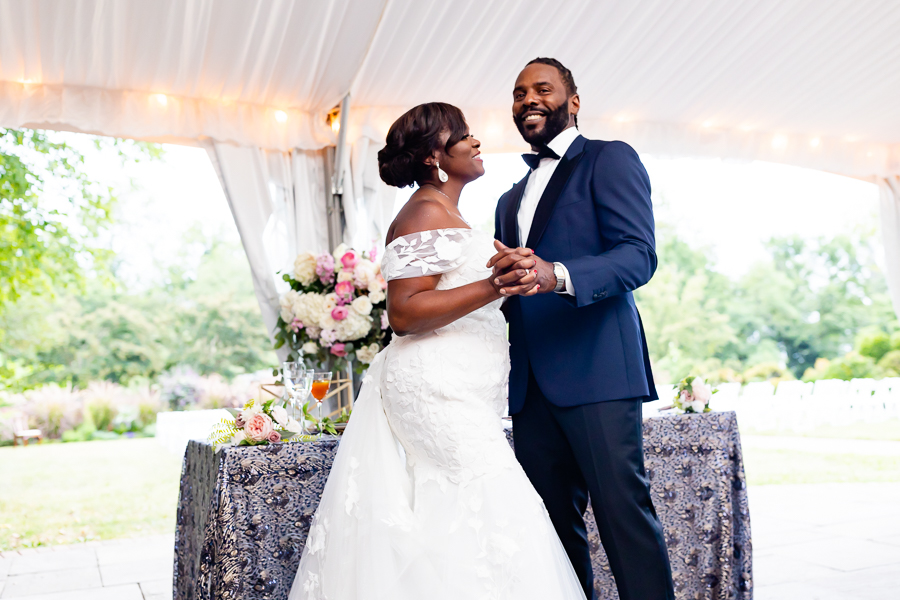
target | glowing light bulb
x=25, y=80
x=335, y=124
x=281, y=116
x=621, y=119
x=161, y=99
x=707, y=124
x=779, y=142
x=815, y=142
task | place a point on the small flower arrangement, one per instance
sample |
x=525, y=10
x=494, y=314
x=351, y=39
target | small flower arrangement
x=257, y=424
x=336, y=309
x=694, y=395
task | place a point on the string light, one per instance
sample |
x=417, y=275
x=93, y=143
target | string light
x=281, y=116
x=707, y=124
x=161, y=99
x=779, y=142
x=621, y=119
x=25, y=81
x=815, y=142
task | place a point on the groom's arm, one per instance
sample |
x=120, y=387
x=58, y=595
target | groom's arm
x=621, y=191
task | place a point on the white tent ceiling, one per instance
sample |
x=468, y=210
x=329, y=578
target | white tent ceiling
x=813, y=83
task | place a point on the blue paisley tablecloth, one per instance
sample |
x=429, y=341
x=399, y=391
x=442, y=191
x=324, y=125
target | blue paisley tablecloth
x=244, y=513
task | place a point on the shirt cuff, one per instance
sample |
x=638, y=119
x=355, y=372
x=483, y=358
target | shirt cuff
x=570, y=287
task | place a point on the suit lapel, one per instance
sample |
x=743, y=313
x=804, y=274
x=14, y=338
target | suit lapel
x=554, y=188
x=511, y=221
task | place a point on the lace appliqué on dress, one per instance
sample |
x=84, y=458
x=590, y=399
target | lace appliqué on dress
x=425, y=253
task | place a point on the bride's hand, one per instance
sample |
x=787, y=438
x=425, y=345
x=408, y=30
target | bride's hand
x=513, y=272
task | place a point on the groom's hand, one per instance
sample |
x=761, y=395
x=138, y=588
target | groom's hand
x=519, y=271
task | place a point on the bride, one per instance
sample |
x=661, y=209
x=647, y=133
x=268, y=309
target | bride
x=452, y=515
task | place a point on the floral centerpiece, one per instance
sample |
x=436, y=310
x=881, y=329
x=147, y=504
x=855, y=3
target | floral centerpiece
x=694, y=395
x=335, y=310
x=258, y=423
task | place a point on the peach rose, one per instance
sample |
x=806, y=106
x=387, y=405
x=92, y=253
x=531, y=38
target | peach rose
x=258, y=427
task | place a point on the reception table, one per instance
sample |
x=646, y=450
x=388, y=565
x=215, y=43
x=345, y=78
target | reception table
x=244, y=513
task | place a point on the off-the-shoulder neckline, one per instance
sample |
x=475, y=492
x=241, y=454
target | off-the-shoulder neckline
x=400, y=237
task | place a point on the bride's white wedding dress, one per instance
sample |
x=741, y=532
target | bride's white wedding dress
x=457, y=518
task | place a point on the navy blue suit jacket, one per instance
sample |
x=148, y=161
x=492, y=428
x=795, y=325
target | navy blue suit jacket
x=596, y=218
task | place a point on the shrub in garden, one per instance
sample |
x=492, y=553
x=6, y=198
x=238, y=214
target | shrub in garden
x=103, y=400
x=181, y=388
x=853, y=365
x=53, y=409
x=890, y=363
x=768, y=371
x=874, y=345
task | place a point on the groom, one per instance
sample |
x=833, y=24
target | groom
x=582, y=219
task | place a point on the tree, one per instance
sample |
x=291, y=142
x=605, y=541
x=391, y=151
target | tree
x=51, y=213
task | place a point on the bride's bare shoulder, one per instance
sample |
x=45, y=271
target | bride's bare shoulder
x=421, y=214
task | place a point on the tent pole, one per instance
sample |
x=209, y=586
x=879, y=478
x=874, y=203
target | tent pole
x=336, y=221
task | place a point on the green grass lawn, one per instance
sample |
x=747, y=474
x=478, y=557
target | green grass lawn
x=885, y=431
x=772, y=467
x=63, y=493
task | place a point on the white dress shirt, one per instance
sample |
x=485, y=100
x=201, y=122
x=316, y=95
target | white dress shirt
x=535, y=186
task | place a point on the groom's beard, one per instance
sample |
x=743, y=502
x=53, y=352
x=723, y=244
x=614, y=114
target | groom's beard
x=555, y=123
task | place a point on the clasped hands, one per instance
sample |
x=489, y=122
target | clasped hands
x=520, y=272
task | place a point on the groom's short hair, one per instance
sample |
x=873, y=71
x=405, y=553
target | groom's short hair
x=564, y=73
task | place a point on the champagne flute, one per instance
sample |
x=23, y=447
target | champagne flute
x=292, y=375
x=321, y=381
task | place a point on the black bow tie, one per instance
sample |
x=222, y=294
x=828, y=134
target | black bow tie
x=533, y=160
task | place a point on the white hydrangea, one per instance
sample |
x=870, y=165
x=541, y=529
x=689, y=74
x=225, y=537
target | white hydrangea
x=310, y=348
x=305, y=268
x=345, y=276
x=309, y=308
x=362, y=305
x=354, y=327
x=287, y=303
x=366, y=354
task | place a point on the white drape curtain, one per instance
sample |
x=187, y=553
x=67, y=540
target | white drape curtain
x=278, y=200
x=889, y=189
x=374, y=198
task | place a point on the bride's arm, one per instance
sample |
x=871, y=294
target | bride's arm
x=414, y=304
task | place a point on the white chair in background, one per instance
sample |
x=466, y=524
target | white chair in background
x=863, y=406
x=726, y=398
x=791, y=406
x=831, y=400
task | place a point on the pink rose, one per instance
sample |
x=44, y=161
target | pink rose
x=274, y=436
x=258, y=427
x=296, y=325
x=344, y=288
x=340, y=313
x=349, y=260
x=339, y=350
x=239, y=421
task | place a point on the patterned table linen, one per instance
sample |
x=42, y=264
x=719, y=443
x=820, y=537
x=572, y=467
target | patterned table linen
x=244, y=513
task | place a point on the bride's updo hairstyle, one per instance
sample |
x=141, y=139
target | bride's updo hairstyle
x=413, y=137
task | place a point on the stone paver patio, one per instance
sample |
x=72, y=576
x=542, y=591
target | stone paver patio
x=126, y=569
x=811, y=542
